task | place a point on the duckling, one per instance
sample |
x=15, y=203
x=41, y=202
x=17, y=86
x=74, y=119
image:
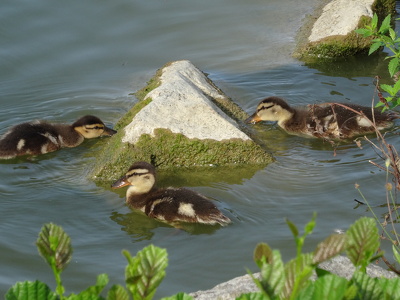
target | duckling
x=39, y=137
x=325, y=120
x=171, y=205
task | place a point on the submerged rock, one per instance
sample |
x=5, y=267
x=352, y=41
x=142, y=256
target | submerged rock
x=181, y=120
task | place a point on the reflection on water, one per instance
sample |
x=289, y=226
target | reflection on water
x=140, y=227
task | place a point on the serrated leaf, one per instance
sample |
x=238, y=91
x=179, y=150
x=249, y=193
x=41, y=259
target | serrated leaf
x=117, y=292
x=297, y=269
x=387, y=88
x=262, y=250
x=385, y=25
x=145, y=271
x=330, y=287
x=54, y=245
x=179, y=296
x=393, y=67
x=272, y=275
x=367, y=288
x=362, y=242
x=30, y=290
x=329, y=248
x=390, y=287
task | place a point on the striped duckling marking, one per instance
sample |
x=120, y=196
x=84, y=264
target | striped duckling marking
x=40, y=137
x=167, y=204
x=325, y=120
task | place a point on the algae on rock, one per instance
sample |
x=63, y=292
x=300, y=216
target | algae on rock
x=336, y=46
x=167, y=149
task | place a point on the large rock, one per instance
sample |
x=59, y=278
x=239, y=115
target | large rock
x=181, y=120
x=329, y=33
x=233, y=288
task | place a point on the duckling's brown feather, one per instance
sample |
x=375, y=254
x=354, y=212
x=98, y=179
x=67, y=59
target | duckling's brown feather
x=39, y=137
x=325, y=120
x=168, y=204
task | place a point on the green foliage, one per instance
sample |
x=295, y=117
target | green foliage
x=385, y=36
x=145, y=271
x=292, y=280
x=277, y=280
x=143, y=274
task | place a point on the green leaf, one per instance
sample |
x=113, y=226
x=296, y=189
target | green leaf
x=117, y=292
x=292, y=228
x=297, y=272
x=387, y=88
x=262, y=250
x=374, y=22
x=362, y=242
x=30, y=290
x=272, y=275
x=145, y=271
x=368, y=288
x=364, y=32
x=392, y=34
x=393, y=66
x=54, y=245
x=396, y=254
x=308, y=229
x=390, y=287
x=329, y=248
x=102, y=281
x=179, y=296
x=375, y=46
x=252, y=296
x=330, y=287
x=385, y=25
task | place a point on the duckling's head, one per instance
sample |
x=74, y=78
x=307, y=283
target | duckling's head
x=272, y=109
x=141, y=178
x=91, y=127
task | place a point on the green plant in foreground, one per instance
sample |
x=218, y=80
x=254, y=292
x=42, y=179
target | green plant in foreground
x=293, y=279
x=143, y=273
x=385, y=36
x=278, y=280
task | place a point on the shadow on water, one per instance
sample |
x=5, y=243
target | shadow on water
x=141, y=227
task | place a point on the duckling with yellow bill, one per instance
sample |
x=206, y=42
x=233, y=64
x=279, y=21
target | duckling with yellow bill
x=171, y=205
x=40, y=137
x=324, y=120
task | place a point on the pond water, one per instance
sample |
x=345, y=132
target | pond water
x=59, y=61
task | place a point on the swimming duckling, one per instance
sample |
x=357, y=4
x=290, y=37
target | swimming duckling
x=325, y=120
x=168, y=204
x=39, y=137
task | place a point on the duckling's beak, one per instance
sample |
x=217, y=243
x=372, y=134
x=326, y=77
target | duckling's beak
x=120, y=183
x=253, y=119
x=108, y=131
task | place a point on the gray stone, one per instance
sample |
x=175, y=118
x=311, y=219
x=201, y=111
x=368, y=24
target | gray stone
x=340, y=17
x=182, y=104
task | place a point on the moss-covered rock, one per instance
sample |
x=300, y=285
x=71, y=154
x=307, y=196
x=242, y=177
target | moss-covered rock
x=337, y=46
x=169, y=150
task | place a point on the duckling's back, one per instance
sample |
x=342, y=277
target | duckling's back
x=29, y=139
x=179, y=204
